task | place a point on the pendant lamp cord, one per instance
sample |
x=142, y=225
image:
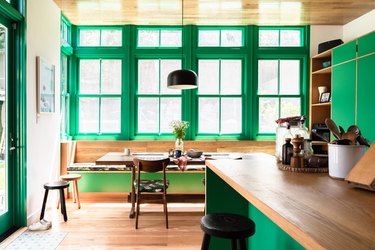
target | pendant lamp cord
x=182, y=32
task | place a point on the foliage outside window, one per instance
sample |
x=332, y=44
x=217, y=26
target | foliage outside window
x=280, y=37
x=211, y=37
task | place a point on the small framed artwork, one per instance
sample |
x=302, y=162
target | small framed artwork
x=325, y=97
x=46, y=96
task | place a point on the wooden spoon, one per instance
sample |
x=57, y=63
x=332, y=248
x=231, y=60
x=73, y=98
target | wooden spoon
x=350, y=135
x=333, y=128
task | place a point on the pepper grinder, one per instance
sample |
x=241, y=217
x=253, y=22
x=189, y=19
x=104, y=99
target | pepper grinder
x=297, y=159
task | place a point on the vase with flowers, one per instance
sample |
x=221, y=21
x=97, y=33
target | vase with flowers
x=179, y=130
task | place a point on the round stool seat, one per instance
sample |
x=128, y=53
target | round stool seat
x=56, y=185
x=70, y=177
x=228, y=226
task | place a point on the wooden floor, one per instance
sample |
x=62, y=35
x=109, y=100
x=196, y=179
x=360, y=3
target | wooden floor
x=105, y=225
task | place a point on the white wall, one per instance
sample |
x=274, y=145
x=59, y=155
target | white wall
x=323, y=33
x=359, y=27
x=43, y=146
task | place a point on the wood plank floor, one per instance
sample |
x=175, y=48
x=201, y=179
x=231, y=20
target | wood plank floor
x=105, y=225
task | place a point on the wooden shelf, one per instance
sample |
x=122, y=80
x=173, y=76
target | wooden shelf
x=327, y=70
x=319, y=143
x=321, y=104
x=327, y=53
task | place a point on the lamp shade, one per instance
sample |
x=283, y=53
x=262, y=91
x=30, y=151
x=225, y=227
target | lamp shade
x=182, y=79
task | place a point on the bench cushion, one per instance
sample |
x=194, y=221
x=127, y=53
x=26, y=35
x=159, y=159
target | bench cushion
x=151, y=186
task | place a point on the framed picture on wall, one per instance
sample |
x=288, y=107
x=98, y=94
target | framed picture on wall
x=46, y=96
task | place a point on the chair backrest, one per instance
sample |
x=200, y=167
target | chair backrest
x=151, y=165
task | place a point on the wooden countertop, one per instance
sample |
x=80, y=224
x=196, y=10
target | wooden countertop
x=316, y=210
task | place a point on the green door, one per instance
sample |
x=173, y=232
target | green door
x=344, y=94
x=365, y=99
x=7, y=218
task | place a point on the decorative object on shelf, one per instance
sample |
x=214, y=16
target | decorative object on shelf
x=182, y=78
x=325, y=97
x=326, y=64
x=329, y=45
x=321, y=90
x=179, y=130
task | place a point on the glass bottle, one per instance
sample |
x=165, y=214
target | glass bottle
x=288, y=133
x=308, y=151
x=287, y=151
x=179, y=147
x=280, y=131
x=302, y=130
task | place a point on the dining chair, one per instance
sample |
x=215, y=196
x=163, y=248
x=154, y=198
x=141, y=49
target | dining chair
x=144, y=166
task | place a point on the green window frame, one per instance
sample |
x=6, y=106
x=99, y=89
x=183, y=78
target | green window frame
x=100, y=98
x=299, y=53
x=189, y=54
x=280, y=31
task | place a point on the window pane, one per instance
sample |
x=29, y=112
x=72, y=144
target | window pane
x=170, y=38
x=289, y=77
x=64, y=74
x=110, y=115
x=208, y=76
x=268, y=114
x=89, y=37
x=148, y=38
x=66, y=115
x=148, y=115
x=170, y=110
x=111, y=38
x=290, y=107
x=289, y=38
x=89, y=76
x=208, y=117
x=166, y=67
x=231, y=75
x=267, y=77
x=268, y=38
x=111, y=76
x=231, y=38
x=231, y=115
x=148, y=76
x=88, y=115
x=208, y=38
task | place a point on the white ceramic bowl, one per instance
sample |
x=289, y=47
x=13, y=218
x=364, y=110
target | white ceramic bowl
x=194, y=154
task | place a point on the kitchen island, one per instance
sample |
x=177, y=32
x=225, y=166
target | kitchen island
x=291, y=210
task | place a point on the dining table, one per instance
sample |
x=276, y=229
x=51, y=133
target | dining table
x=121, y=159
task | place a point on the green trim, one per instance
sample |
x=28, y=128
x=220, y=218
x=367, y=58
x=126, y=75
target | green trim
x=9, y=12
x=129, y=53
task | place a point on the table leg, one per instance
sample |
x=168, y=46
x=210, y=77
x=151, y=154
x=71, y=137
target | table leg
x=132, y=195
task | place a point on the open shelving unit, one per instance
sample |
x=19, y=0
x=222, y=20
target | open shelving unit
x=320, y=76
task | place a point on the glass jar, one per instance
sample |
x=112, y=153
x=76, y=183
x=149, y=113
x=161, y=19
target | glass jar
x=179, y=147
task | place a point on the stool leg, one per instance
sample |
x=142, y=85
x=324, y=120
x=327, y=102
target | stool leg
x=75, y=183
x=44, y=204
x=206, y=242
x=74, y=192
x=233, y=244
x=63, y=207
x=242, y=244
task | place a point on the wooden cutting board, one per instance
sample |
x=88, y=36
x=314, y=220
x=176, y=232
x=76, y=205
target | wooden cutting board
x=362, y=174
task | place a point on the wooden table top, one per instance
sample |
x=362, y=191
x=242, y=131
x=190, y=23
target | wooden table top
x=316, y=210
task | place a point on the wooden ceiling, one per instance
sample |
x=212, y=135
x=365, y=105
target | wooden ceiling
x=214, y=12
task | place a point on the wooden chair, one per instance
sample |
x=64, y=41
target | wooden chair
x=151, y=186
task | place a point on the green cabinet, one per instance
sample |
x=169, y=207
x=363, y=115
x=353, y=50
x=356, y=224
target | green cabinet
x=366, y=96
x=344, y=94
x=344, y=52
x=366, y=44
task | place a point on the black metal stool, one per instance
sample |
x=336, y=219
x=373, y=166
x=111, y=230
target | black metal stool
x=228, y=226
x=60, y=185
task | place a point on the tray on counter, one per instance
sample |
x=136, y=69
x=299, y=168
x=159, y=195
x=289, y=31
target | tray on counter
x=301, y=170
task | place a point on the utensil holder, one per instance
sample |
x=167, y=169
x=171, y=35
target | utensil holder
x=342, y=158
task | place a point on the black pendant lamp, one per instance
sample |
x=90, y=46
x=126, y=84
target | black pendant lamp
x=182, y=78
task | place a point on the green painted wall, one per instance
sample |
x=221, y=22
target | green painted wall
x=220, y=197
x=106, y=181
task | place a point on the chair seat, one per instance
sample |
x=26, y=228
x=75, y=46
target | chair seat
x=56, y=185
x=228, y=226
x=151, y=186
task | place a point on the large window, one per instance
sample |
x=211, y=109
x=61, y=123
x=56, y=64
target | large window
x=157, y=105
x=220, y=96
x=248, y=76
x=281, y=75
x=99, y=98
